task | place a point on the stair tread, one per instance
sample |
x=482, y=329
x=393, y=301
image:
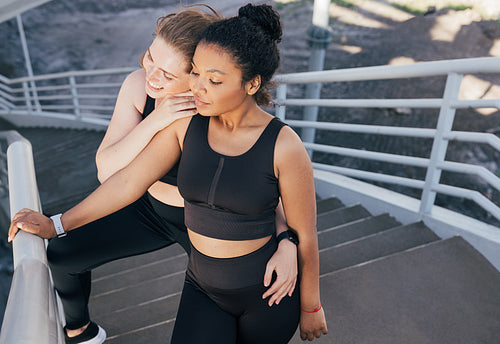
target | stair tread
x=137, y=294
x=328, y=204
x=152, y=315
x=138, y=261
x=130, y=277
x=340, y=216
x=155, y=333
x=354, y=230
x=375, y=246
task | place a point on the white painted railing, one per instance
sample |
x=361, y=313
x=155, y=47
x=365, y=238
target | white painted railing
x=35, y=319
x=31, y=315
x=81, y=96
x=86, y=95
x=441, y=135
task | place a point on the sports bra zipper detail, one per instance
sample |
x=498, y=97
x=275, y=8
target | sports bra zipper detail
x=215, y=181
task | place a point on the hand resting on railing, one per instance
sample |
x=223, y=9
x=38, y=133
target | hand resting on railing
x=32, y=222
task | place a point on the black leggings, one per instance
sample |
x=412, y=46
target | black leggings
x=222, y=303
x=133, y=230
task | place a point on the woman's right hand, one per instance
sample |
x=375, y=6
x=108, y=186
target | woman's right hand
x=312, y=325
x=32, y=222
x=172, y=108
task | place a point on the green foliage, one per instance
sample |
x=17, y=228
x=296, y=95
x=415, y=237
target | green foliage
x=409, y=9
x=343, y=3
x=459, y=7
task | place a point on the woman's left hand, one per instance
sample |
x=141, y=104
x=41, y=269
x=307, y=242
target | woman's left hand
x=284, y=263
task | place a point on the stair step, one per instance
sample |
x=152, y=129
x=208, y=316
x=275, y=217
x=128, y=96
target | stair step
x=340, y=216
x=144, y=292
x=154, y=325
x=327, y=204
x=138, y=261
x=443, y=292
x=375, y=246
x=126, y=278
x=354, y=230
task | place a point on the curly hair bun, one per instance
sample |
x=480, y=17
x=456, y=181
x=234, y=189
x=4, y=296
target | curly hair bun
x=265, y=17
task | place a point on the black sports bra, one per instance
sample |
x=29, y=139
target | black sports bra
x=229, y=197
x=171, y=176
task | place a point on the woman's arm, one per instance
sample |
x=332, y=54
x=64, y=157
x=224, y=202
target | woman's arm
x=283, y=262
x=121, y=189
x=295, y=173
x=127, y=133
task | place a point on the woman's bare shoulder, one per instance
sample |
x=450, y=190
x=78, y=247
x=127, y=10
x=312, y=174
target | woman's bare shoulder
x=289, y=147
x=288, y=139
x=133, y=88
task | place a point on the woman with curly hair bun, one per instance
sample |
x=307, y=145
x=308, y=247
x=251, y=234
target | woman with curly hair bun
x=150, y=100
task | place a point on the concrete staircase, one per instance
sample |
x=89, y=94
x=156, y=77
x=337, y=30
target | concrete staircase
x=381, y=281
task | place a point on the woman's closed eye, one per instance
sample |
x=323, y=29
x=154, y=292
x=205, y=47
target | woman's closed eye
x=196, y=75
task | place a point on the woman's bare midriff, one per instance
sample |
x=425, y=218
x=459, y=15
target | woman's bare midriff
x=167, y=194
x=218, y=248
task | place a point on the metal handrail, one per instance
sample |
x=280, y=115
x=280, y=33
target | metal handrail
x=441, y=135
x=417, y=70
x=95, y=72
x=31, y=315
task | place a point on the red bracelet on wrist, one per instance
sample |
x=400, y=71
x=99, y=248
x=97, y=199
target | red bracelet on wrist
x=316, y=310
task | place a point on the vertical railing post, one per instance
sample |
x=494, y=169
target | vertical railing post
x=27, y=96
x=280, y=100
x=74, y=94
x=440, y=145
x=319, y=37
x=27, y=60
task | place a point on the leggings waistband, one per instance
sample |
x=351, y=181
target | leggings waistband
x=231, y=273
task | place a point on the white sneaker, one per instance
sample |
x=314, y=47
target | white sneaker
x=93, y=334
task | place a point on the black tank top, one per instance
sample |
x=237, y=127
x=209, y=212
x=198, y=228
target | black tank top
x=171, y=176
x=229, y=197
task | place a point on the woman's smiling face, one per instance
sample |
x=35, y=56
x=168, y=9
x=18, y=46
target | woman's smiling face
x=216, y=81
x=166, y=70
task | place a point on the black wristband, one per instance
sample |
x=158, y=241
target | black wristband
x=290, y=235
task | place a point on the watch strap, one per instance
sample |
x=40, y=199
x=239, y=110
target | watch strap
x=286, y=235
x=56, y=219
x=282, y=236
